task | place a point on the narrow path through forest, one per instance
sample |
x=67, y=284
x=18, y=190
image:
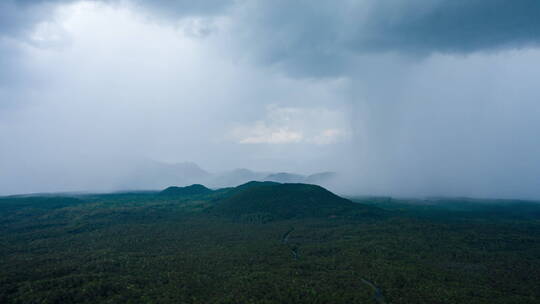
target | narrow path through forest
x=378, y=294
x=285, y=241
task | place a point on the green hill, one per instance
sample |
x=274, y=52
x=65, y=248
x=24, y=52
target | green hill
x=283, y=201
x=195, y=189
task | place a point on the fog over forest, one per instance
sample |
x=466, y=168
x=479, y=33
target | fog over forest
x=401, y=98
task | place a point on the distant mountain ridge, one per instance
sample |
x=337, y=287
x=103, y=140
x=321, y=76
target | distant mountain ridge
x=284, y=177
x=236, y=177
x=157, y=175
x=241, y=176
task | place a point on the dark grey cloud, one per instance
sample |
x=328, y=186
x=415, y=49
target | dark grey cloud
x=319, y=38
x=450, y=25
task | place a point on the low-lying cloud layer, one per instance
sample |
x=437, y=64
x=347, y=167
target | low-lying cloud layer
x=420, y=97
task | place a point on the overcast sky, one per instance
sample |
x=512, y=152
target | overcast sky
x=404, y=98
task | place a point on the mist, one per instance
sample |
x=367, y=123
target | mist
x=393, y=99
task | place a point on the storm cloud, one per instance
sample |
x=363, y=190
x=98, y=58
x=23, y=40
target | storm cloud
x=412, y=98
x=322, y=38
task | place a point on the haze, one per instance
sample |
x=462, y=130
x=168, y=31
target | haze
x=403, y=98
